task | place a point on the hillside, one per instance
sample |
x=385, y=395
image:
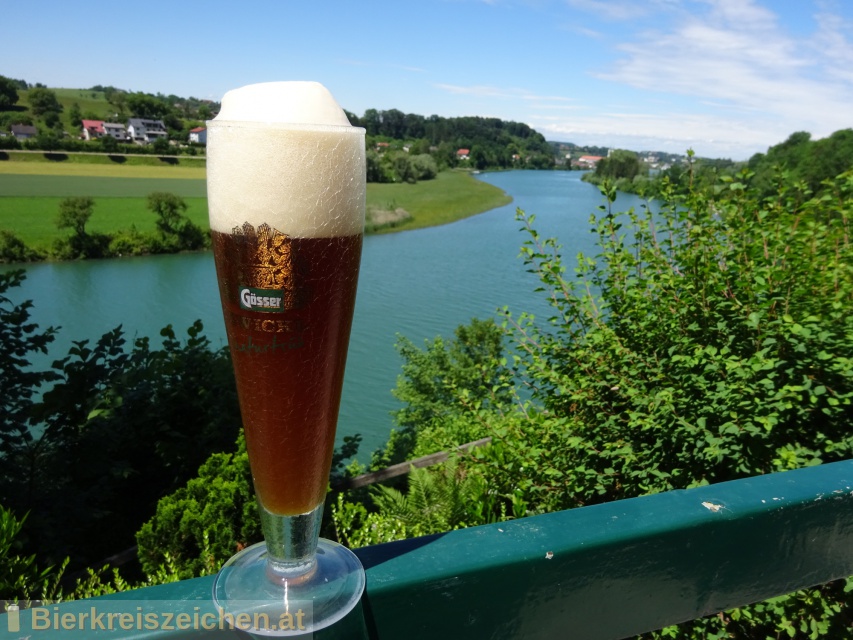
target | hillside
x=402, y=147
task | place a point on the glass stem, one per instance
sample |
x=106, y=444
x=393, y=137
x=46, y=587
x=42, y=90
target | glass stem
x=291, y=542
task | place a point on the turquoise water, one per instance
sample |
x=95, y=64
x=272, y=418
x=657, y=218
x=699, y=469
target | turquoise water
x=419, y=284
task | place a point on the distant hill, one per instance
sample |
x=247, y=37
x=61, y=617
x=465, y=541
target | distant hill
x=106, y=103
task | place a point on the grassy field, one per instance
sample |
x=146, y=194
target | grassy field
x=30, y=192
x=451, y=196
x=33, y=220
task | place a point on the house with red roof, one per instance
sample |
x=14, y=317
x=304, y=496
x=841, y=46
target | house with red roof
x=198, y=135
x=462, y=154
x=588, y=162
x=93, y=129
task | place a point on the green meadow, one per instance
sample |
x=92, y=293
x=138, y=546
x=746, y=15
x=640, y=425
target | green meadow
x=31, y=190
x=33, y=220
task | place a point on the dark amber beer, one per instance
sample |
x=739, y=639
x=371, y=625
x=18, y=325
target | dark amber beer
x=289, y=350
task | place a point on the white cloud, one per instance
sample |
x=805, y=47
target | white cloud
x=735, y=54
x=708, y=135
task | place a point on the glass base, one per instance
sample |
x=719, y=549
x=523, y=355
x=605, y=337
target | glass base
x=250, y=594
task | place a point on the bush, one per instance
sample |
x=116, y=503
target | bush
x=13, y=249
x=206, y=522
x=88, y=445
x=708, y=341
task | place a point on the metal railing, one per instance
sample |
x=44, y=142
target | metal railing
x=603, y=572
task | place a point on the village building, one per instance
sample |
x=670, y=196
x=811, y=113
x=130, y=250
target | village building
x=24, y=131
x=198, y=135
x=143, y=131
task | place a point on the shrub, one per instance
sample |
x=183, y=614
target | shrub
x=13, y=249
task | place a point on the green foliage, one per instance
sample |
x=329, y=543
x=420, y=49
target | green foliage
x=19, y=384
x=437, y=382
x=20, y=576
x=804, y=160
x=22, y=579
x=205, y=522
x=709, y=340
x=716, y=345
x=493, y=141
x=808, y=614
x=89, y=445
x=43, y=102
x=131, y=242
x=177, y=233
x=202, y=524
x=145, y=105
x=8, y=93
x=75, y=116
x=169, y=209
x=437, y=500
x=74, y=213
x=620, y=164
x=13, y=249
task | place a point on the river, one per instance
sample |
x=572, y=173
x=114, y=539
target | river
x=419, y=284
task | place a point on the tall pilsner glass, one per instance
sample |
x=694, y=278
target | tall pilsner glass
x=286, y=192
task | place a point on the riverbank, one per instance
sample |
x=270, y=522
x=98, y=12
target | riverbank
x=30, y=193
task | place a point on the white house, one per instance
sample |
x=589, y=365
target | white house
x=115, y=130
x=198, y=135
x=143, y=131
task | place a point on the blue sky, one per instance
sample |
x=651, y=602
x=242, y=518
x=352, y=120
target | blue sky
x=726, y=78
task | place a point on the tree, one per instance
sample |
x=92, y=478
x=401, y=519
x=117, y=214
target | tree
x=479, y=159
x=177, y=232
x=143, y=105
x=19, y=382
x=161, y=145
x=117, y=98
x=620, y=164
x=169, y=209
x=43, y=102
x=75, y=115
x=109, y=144
x=74, y=213
x=8, y=93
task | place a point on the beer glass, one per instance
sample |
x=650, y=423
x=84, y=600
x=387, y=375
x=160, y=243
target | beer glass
x=286, y=192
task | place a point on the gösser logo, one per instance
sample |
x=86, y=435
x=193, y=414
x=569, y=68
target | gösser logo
x=261, y=300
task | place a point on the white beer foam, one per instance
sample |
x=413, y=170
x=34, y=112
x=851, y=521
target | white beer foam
x=284, y=153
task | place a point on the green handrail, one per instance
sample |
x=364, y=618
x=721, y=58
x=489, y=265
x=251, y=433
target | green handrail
x=603, y=572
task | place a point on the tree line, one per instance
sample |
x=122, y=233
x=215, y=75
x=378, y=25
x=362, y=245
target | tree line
x=490, y=142
x=799, y=159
